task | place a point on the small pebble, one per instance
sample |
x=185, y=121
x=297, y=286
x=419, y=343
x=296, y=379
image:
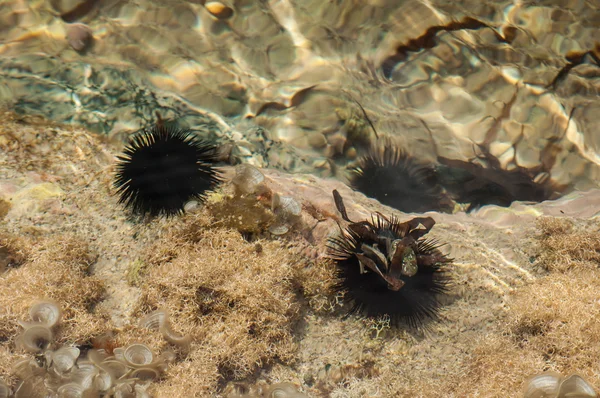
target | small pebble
x=79, y=36
x=219, y=10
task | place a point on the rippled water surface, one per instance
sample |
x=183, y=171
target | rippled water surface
x=280, y=80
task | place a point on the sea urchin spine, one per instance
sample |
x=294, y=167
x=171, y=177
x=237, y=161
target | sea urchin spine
x=387, y=268
x=396, y=179
x=163, y=168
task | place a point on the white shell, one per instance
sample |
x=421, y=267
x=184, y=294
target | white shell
x=26, y=368
x=138, y=355
x=97, y=356
x=84, y=374
x=576, y=386
x=45, y=312
x=283, y=390
x=64, y=358
x=247, y=179
x=140, y=392
x=70, y=390
x=173, y=337
x=145, y=374
x=35, y=338
x=279, y=229
x=4, y=390
x=115, y=368
x=103, y=381
x=543, y=385
x=287, y=206
x=155, y=320
x=125, y=389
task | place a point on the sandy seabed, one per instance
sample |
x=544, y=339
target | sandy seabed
x=262, y=310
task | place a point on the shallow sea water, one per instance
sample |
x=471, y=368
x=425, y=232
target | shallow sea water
x=280, y=82
x=279, y=79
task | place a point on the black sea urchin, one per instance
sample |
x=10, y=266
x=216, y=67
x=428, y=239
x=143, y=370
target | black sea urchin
x=387, y=268
x=163, y=168
x=396, y=179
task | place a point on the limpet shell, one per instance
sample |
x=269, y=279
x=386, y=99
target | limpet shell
x=576, y=386
x=140, y=391
x=97, y=356
x=247, y=179
x=45, y=312
x=283, y=390
x=4, y=390
x=103, y=381
x=125, y=389
x=84, y=374
x=35, y=338
x=115, y=368
x=173, y=337
x=286, y=206
x=70, y=390
x=155, y=319
x=27, y=368
x=119, y=354
x=279, y=229
x=145, y=374
x=543, y=385
x=64, y=358
x=138, y=355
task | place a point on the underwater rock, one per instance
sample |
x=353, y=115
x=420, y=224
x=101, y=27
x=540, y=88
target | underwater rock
x=79, y=36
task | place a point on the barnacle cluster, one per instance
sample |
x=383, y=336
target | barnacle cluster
x=66, y=371
x=387, y=268
x=554, y=385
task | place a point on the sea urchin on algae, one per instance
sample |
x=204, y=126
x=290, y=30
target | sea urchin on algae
x=387, y=268
x=163, y=168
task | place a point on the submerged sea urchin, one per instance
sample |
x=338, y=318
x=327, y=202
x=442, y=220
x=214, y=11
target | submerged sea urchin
x=396, y=179
x=163, y=168
x=387, y=268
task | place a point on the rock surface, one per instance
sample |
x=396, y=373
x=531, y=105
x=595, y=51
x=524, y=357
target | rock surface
x=58, y=181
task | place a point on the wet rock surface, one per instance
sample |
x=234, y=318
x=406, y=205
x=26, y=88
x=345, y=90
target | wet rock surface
x=68, y=189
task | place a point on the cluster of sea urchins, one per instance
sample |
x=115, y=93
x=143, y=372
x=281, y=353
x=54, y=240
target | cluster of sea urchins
x=386, y=267
x=164, y=168
x=397, y=179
